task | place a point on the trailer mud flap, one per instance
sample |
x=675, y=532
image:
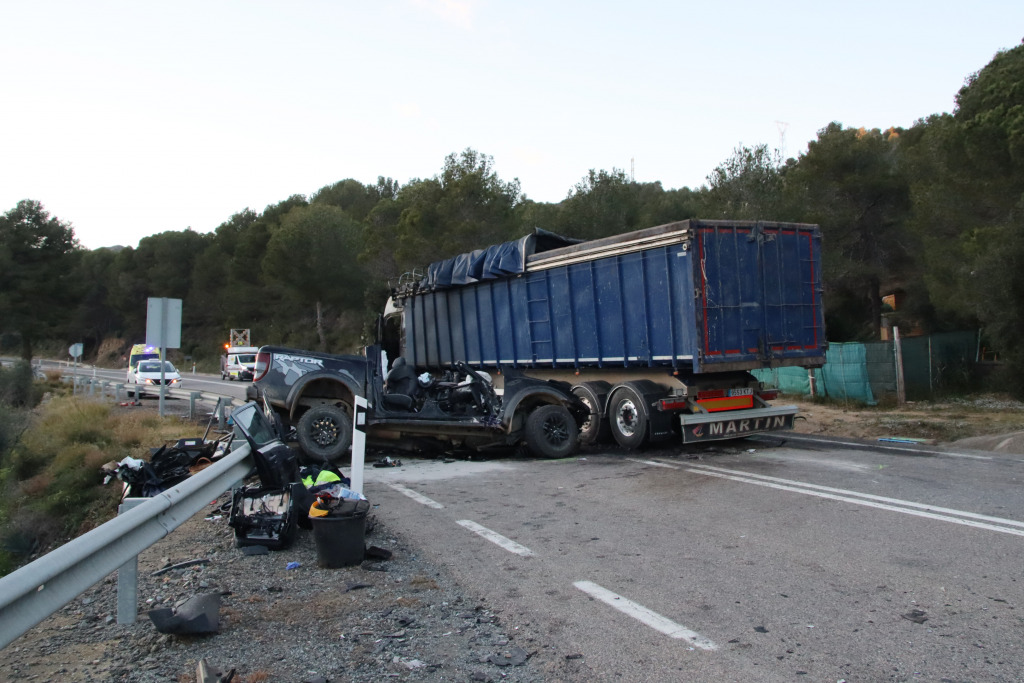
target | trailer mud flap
x=716, y=426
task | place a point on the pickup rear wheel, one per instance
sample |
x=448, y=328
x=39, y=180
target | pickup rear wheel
x=627, y=418
x=551, y=432
x=325, y=432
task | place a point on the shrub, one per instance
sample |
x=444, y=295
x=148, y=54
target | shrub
x=16, y=385
x=50, y=481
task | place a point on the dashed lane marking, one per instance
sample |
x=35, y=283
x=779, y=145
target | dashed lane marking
x=644, y=615
x=496, y=538
x=418, y=497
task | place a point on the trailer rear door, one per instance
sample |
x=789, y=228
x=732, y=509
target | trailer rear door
x=759, y=292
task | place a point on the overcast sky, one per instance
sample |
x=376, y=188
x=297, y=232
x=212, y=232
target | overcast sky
x=132, y=118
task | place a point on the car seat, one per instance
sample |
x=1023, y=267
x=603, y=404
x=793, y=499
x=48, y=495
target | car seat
x=402, y=388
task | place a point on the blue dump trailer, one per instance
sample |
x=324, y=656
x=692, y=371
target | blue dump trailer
x=655, y=329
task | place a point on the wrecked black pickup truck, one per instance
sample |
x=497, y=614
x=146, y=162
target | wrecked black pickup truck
x=419, y=411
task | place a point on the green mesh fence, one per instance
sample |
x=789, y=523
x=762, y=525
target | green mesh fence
x=786, y=380
x=844, y=375
x=864, y=372
x=938, y=363
x=880, y=359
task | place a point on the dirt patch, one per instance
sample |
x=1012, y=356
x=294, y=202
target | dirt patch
x=981, y=422
x=113, y=353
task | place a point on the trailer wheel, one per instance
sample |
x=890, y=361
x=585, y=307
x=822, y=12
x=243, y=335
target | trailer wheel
x=595, y=429
x=627, y=419
x=551, y=432
x=325, y=432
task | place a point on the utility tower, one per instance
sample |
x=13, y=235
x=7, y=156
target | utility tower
x=782, y=126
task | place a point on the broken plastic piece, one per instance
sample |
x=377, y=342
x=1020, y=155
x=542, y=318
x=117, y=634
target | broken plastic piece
x=200, y=614
x=293, y=565
x=388, y=461
x=375, y=553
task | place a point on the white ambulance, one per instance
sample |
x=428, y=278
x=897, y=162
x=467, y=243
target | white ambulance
x=239, y=363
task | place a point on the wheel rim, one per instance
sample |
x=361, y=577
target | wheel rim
x=324, y=431
x=626, y=417
x=585, y=427
x=555, y=430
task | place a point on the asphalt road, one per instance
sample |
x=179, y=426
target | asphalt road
x=779, y=564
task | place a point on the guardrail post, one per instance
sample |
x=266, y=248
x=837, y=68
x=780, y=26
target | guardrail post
x=222, y=407
x=128, y=576
x=192, y=398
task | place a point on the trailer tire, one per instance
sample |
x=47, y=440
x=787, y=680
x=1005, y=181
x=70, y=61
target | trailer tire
x=551, y=432
x=627, y=419
x=595, y=429
x=325, y=432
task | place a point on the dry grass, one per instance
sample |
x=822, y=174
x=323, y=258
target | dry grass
x=938, y=421
x=53, y=472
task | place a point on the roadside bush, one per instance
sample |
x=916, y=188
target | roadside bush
x=51, y=485
x=12, y=423
x=16, y=385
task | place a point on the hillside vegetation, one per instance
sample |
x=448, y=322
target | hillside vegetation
x=52, y=446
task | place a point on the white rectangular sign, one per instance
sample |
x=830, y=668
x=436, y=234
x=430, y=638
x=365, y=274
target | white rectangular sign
x=163, y=323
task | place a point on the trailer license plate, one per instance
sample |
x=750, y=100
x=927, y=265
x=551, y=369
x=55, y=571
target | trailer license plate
x=741, y=392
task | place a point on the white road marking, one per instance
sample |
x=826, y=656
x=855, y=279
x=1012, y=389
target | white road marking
x=887, y=447
x=655, y=463
x=869, y=496
x=1002, y=444
x=869, y=500
x=644, y=615
x=926, y=511
x=496, y=538
x=418, y=497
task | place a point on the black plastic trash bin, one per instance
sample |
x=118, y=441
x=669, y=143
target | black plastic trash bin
x=340, y=536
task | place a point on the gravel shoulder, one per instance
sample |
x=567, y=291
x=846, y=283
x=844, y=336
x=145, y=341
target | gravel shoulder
x=397, y=619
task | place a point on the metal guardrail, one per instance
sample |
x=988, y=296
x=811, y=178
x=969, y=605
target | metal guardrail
x=119, y=391
x=32, y=593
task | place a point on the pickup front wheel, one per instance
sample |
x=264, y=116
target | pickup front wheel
x=551, y=432
x=325, y=432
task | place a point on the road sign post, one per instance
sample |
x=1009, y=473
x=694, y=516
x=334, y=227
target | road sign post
x=75, y=351
x=163, y=330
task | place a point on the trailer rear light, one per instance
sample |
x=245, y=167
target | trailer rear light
x=713, y=405
x=667, y=404
x=710, y=393
x=768, y=394
x=262, y=365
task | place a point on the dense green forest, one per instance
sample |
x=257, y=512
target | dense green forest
x=933, y=211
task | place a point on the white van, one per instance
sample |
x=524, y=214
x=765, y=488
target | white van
x=239, y=363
